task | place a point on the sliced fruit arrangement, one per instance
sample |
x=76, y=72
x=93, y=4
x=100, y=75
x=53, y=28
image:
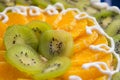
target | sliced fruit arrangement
x=21, y=42
x=44, y=52
x=56, y=43
x=18, y=34
x=38, y=27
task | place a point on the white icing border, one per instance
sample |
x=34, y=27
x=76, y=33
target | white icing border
x=100, y=5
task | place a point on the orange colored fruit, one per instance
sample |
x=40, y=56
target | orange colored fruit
x=84, y=41
x=53, y=20
x=40, y=17
x=102, y=78
x=16, y=18
x=2, y=53
x=7, y=72
x=86, y=56
x=2, y=47
x=67, y=21
x=23, y=79
x=79, y=28
x=3, y=28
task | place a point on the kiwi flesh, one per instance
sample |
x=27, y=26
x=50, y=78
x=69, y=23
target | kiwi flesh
x=80, y=4
x=104, y=18
x=114, y=28
x=91, y=10
x=54, y=68
x=23, y=2
x=24, y=58
x=2, y=7
x=56, y=43
x=117, y=43
x=41, y=3
x=38, y=27
x=116, y=76
x=18, y=34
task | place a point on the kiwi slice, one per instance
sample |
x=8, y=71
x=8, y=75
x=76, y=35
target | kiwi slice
x=117, y=43
x=18, y=34
x=73, y=3
x=114, y=28
x=2, y=7
x=41, y=3
x=91, y=10
x=24, y=58
x=38, y=27
x=116, y=76
x=56, y=43
x=23, y=2
x=104, y=18
x=54, y=68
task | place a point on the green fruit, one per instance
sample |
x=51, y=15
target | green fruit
x=80, y=4
x=19, y=34
x=38, y=27
x=41, y=3
x=114, y=28
x=117, y=43
x=90, y=10
x=116, y=76
x=2, y=7
x=54, y=68
x=56, y=43
x=23, y=2
x=104, y=18
x=24, y=58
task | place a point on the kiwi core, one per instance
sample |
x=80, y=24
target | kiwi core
x=24, y=59
x=55, y=46
x=52, y=67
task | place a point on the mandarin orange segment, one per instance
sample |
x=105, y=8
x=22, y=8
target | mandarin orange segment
x=2, y=46
x=86, y=56
x=3, y=28
x=2, y=53
x=1, y=42
x=16, y=18
x=7, y=72
x=53, y=20
x=85, y=74
x=23, y=79
x=102, y=78
x=101, y=40
x=90, y=22
x=79, y=29
x=40, y=17
x=84, y=41
x=67, y=21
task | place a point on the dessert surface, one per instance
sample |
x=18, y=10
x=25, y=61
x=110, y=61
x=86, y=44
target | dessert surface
x=34, y=42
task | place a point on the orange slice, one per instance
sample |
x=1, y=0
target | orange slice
x=79, y=28
x=1, y=42
x=86, y=56
x=3, y=28
x=23, y=79
x=40, y=17
x=2, y=47
x=53, y=20
x=102, y=78
x=2, y=53
x=7, y=72
x=67, y=22
x=15, y=18
x=84, y=41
